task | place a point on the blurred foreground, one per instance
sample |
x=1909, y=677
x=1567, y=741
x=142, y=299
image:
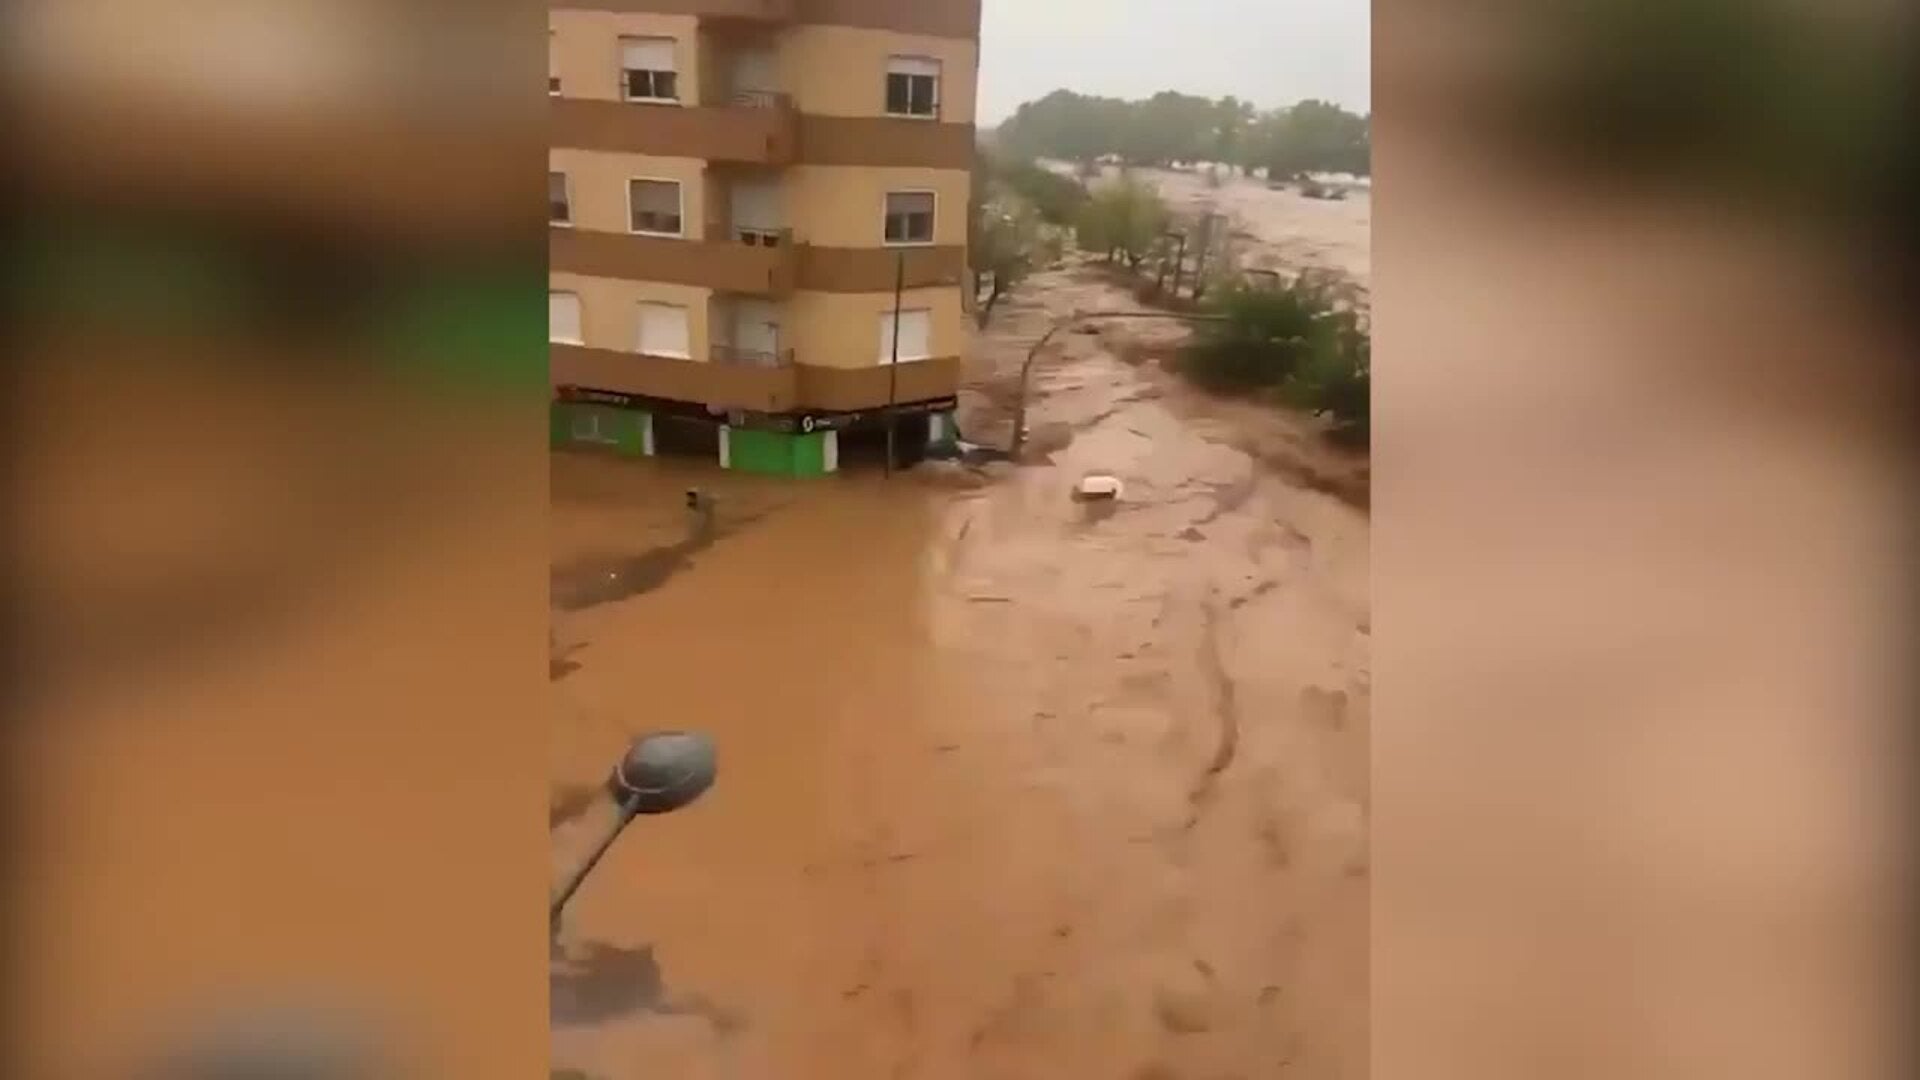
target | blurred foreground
x=1641, y=576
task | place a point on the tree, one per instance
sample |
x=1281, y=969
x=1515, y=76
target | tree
x=1315, y=136
x=1172, y=127
x=1232, y=128
x=1126, y=218
x=1056, y=198
x=1299, y=342
x=1009, y=241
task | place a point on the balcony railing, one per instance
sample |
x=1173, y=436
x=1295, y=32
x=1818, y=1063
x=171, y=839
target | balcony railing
x=746, y=11
x=759, y=99
x=763, y=237
x=735, y=356
x=755, y=129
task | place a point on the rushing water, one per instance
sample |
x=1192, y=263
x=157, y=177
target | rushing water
x=1011, y=785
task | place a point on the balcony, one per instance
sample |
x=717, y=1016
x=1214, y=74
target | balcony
x=754, y=129
x=834, y=389
x=734, y=356
x=754, y=262
x=729, y=386
x=736, y=379
x=745, y=11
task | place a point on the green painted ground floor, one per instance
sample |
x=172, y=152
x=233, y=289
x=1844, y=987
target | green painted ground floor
x=763, y=449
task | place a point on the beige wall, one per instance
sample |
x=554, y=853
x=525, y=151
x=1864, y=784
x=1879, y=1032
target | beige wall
x=842, y=71
x=586, y=50
x=610, y=313
x=825, y=329
x=843, y=329
x=598, y=184
x=829, y=70
x=833, y=206
x=828, y=206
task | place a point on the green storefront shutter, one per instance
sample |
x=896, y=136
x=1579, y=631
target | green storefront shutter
x=629, y=430
x=810, y=454
x=765, y=452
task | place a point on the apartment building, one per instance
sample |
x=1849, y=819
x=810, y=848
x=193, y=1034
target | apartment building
x=747, y=197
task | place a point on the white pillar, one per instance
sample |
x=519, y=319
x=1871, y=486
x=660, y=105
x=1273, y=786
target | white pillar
x=830, y=451
x=726, y=447
x=646, y=434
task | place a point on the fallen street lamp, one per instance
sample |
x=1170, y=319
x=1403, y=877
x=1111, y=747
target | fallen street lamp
x=1075, y=318
x=659, y=773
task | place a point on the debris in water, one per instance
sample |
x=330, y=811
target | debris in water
x=1097, y=487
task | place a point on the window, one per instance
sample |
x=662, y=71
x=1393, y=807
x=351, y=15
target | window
x=916, y=335
x=663, y=331
x=913, y=86
x=591, y=423
x=553, y=65
x=559, y=207
x=655, y=206
x=647, y=70
x=909, y=217
x=563, y=318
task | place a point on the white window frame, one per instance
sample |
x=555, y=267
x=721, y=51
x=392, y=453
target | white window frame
x=933, y=230
x=678, y=185
x=566, y=181
x=553, y=78
x=886, y=327
x=686, y=318
x=580, y=310
x=939, y=78
x=677, y=74
x=590, y=432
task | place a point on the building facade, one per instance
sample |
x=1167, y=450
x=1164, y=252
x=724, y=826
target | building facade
x=739, y=191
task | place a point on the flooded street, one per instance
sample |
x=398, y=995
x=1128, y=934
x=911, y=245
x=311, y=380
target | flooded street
x=1011, y=786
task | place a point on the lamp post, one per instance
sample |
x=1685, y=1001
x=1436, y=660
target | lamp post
x=659, y=773
x=1071, y=319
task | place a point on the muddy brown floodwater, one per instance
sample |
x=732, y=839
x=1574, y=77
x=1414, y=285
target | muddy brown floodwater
x=1011, y=786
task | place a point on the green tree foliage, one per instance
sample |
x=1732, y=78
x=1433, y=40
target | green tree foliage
x=1056, y=198
x=1015, y=219
x=1296, y=341
x=1312, y=136
x=1009, y=241
x=1124, y=218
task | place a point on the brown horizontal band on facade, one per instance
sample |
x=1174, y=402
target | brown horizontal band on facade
x=759, y=134
x=771, y=11
x=934, y=18
x=731, y=266
x=769, y=134
x=726, y=266
x=782, y=389
x=874, y=270
x=838, y=389
x=885, y=142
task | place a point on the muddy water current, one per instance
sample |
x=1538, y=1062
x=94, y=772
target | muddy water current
x=1011, y=785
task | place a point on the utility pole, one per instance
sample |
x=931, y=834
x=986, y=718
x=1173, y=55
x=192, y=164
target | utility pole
x=1179, y=264
x=1200, y=255
x=893, y=365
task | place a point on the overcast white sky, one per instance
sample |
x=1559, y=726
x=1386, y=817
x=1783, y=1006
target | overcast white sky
x=1271, y=52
